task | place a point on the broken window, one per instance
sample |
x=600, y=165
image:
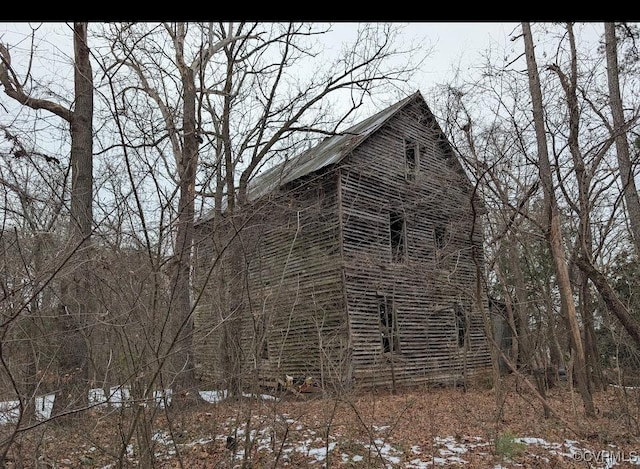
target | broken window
x=397, y=227
x=264, y=352
x=388, y=325
x=411, y=160
x=461, y=324
x=440, y=236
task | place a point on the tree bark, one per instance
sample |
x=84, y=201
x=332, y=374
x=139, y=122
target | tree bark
x=75, y=307
x=625, y=168
x=611, y=299
x=583, y=176
x=554, y=233
x=183, y=365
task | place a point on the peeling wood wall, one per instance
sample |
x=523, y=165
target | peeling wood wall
x=294, y=317
x=425, y=286
x=322, y=246
x=297, y=282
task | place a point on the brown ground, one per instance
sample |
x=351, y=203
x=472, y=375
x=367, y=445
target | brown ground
x=415, y=428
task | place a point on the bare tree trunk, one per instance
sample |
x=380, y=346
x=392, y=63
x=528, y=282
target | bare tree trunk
x=526, y=354
x=183, y=366
x=611, y=299
x=76, y=286
x=622, y=145
x=583, y=176
x=554, y=234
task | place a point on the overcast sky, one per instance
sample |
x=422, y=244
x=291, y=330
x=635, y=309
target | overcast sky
x=458, y=43
x=453, y=43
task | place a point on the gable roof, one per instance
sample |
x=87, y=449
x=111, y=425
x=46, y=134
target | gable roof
x=329, y=151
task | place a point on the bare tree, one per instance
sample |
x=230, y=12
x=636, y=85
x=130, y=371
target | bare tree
x=260, y=117
x=619, y=130
x=74, y=289
x=584, y=176
x=554, y=234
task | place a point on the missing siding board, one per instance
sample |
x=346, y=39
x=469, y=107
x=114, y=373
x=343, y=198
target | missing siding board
x=411, y=160
x=264, y=349
x=461, y=324
x=439, y=240
x=388, y=325
x=440, y=236
x=397, y=228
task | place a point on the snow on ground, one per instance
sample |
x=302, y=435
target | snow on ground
x=117, y=397
x=220, y=395
x=10, y=410
x=444, y=451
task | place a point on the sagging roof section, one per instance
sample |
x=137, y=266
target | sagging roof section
x=330, y=151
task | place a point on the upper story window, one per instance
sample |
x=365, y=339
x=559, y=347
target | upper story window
x=411, y=160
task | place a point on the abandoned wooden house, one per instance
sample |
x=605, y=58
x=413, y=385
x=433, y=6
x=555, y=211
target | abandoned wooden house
x=356, y=264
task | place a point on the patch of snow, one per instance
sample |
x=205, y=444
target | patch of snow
x=624, y=387
x=213, y=396
x=161, y=397
x=97, y=397
x=357, y=458
x=321, y=453
x=201, y=441
x=162, y=437
x=264, y=397
x=532, y=441
x=418, y=464
x=118, y=395
x=44, y=406
x=9, y=411
x=456, y=449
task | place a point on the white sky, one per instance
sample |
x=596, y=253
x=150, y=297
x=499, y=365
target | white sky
x=452, y=42
x=457, y=43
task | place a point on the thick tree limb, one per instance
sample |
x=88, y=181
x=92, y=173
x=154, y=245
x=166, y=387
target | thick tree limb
x=609, y=296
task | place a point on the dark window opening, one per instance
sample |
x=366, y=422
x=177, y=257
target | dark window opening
x=411, y=160
x=440, y=236
x=397, y=226
x=461, y=325
x=388, y=325
x=264, y=352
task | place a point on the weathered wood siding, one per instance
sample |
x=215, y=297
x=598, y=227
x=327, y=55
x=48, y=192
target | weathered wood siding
x=208, y=312
x=297, y=278
x=317, y=254
x=426, y=285
x=293, y=313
